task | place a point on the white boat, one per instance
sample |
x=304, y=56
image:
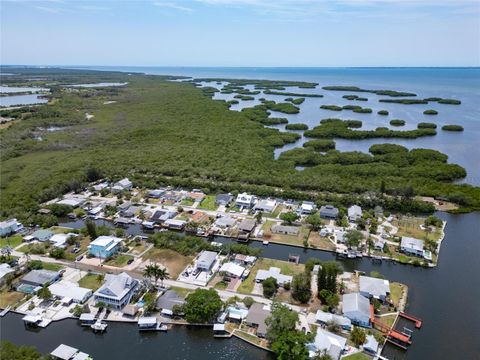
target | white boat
x=99, y=326
x=265, y=242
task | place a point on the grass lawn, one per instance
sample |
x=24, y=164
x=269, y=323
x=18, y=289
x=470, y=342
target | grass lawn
x=286, y=268
x=187, y=202
x=182, y=292
x=51, y=266
x=91, y=281
x=410, y=226
x=9, y=298
x=396, y=290
x=320, y=242
x=208, y=203
x=83, y=247
x=11, y=241
x=172, y=260
x=60, y=230
x=387, y=320
x=248, y=337
x=358, y=356
x=285, y=239
x=119, y=260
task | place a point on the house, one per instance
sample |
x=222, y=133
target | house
x=237, y=312
x=160, y=216
x=42, y=235
x=357, y=308
x=131, y=211
x=156, y=194
x=373, y=287
x=411, y=246
x=340, y=236
x=121, y=221
x=328, y=342
x=247, y=226
x=104, y=246
x=328, y=212
x=117, y=290
x=174, y=224
x=100, y=187
x=245, y=200
x=324, y=318
x=5, y=270
x=275, y=273
x=371, y=345
x=232, y=270
x=205, y=260
x=65, y=352
x=60, y=240
x=122, y=185
x=379, y=244
x=286, y=230
x=9, y=227
x=67, y=289
x=168, y=300
x=266, y=205
x=130, y=310
x=354, y=213
x=40, y=277
x=223, y=199
x=225, y=222
x=307, y=207
x=256, y=318
x=72, y=201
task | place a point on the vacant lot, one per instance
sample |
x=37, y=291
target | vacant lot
x=119, y=260
x=91, y=281
x=285, y=239
x=11, y=241
x=9, y=298
x=410, y=226
x=208, y=203
x=172, y=260
x=320, y=242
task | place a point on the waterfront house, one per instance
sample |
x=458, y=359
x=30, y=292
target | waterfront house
x=122, y=185
x=174, y=224
x=9, y=227
x=246, y=226
x=286, y=230
x=328, y=342
x=266, y=205
x=371, y=345
x=307, y=208
x=42, y=235
x=354, y=213
x=356, y=308
x=6, y=271
x=323, y=318
x=379, y=244
x=205, y=260
x=168, y=301
x=329, y=212
x=245, y=200
x=225, y=222
x=340, y=236
x=160, y=216
x=73, y=201
x=223, y=199
x=131, y=211
x=65, y=352
x=60, y=240
x=237, y=312
x=156, y=194
x=371, y=287
x=87, y=319
x=411, y=246
x=256, y=318
x=40, y=277
x=232, y=270
x=275, y=273
x=104, y=246
x=67, y=290
x=117, y=290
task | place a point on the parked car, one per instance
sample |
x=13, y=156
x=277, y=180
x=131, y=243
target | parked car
x=130, y=261
x=78, y=258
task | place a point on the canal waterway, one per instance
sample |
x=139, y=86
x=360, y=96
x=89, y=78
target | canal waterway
x=445, y=298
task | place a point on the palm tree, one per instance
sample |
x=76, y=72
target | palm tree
x=149, y=271
x=161, y=274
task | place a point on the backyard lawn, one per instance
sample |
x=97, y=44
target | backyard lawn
x=396, y=290
x=9, y=298
x=84, y=242
x=357, y=356
x=182, y=292
x=172, y=260
x=286, y=268
x=285, y=239
x=320, y=242
x=119, y=260
x=91, y=281
x=208, y=203
x=11, y=241
x=410, y=226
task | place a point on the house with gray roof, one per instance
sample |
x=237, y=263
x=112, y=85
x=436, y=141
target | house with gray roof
x=225, y=222
x=247, y=226
x=266, y=205
x=168, y=300
x=371, y=344
x=328, y=212
x=8, y=227
x=256, y=318
x=354, y=213
x=117, y=290
x=357, y=308
x=42, y=235
x=329, y=342
x=40, y=277
x=412, y=246
x=275, y=273
x=160, y=216
x=371, y=287
x=205, y=260
x=324, y=318
x=223, y=199
x=284, y=229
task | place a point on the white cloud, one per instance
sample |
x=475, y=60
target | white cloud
x=172, y=5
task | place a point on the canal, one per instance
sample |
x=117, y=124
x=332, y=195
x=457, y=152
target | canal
x=446, y=298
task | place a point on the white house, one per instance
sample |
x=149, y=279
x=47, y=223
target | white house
x=411, y=246
x=117, y=290
x=225, y=222
x=275, y=273
x=206, y=260
x=245, y=200
x=354, y=213
x=122, y=185
x=326, y=341
x=67, y=289
x=5, y=269
x=307, y=207
x=60, y=240
x=232, y=269
x=267, y=205
x=373, y=287
x=357, y=308
x=10, y=227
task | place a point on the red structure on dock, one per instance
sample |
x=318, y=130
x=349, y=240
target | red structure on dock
x=393, y=336
x=417, y=321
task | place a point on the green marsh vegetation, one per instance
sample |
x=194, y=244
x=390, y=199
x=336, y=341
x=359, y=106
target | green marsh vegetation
x=354, y=97
x=426, y=125
x=331, y=107
x=342, y=129
x=444, y=101
x=397, y=122
x=382, y=112
x=198, y=143
x=430, y=112
x=259, y=84
x=285, y=108
x=404, y=101
x=285, y=93
x=297, y=101
x=392, y=93
x=320, y=144
x=354, y=108
x=452, y=127
x=297, y=126
x=244, y=97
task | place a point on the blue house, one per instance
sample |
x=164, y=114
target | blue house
x=357, y=308
x=104, y=246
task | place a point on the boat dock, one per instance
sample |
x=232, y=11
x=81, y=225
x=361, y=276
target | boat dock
x=99, y=326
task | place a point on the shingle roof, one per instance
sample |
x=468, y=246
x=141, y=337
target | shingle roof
x=373, y=286
x=356, y=302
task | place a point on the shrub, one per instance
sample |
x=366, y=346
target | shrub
x=397, y=122
x=382, y=112
x=296, y=127
x=269, y=287
x=430, y=112
x=424, y=125
x=320, y=144
x=452, y=128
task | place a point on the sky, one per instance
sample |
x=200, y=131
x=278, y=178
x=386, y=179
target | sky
x=330, y=33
